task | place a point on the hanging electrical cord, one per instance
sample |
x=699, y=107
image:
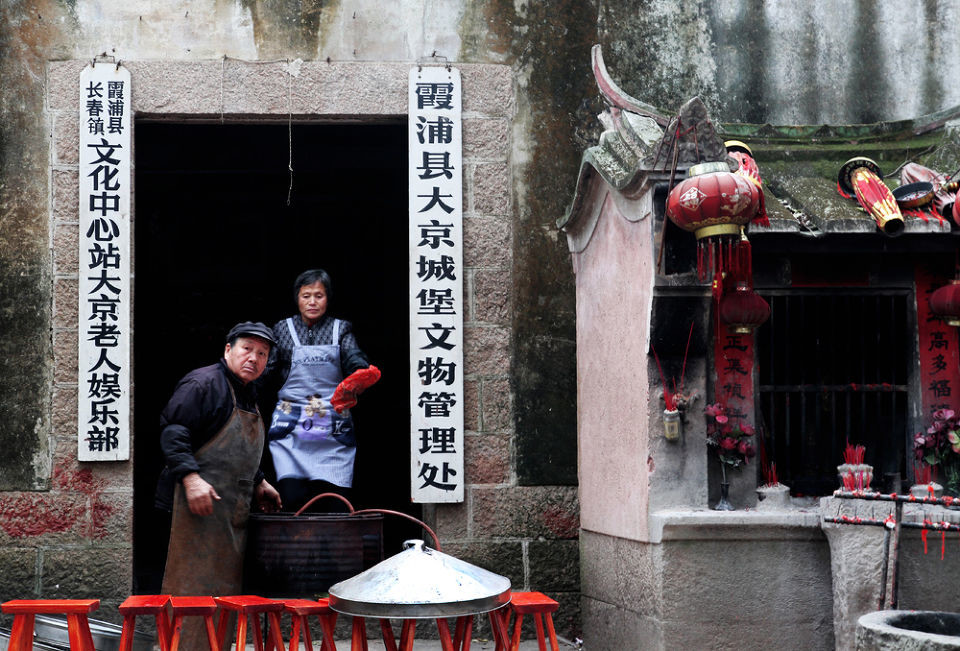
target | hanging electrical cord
x=289, y=130
x=290, y=65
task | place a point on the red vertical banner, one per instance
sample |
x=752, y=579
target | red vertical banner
x=937, y=347
x=733, y=356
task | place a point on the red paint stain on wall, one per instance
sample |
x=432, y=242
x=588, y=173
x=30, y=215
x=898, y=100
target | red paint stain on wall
x=36, y=514
x=75, y=503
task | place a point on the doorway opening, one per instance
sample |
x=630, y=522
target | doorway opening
x=217, y=242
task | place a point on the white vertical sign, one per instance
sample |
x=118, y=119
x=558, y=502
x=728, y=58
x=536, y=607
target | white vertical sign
x=103, y=421
x=436, y=285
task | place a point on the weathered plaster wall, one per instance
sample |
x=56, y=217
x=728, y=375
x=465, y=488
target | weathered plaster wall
x=836, y=61
x=24, y=253
x=548, y=44
x=614, y=292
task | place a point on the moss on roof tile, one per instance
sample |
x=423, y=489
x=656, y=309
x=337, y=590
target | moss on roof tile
x=799, y=166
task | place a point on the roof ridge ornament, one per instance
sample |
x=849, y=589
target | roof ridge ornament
x=615, y=95
x=690, y=138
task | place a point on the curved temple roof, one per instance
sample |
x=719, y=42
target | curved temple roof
x=798, y=163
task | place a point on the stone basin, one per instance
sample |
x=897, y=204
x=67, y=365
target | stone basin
x=908, y=630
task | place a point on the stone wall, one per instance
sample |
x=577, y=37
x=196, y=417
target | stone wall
x=711, y=581
x=926, y=581
x=73, y=537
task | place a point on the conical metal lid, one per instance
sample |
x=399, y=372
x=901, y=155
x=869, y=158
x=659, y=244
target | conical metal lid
x=420, y=582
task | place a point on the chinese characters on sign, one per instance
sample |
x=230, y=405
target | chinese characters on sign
x=436, y=285
x=939, y=369
x=734, y=389
x=104, y=271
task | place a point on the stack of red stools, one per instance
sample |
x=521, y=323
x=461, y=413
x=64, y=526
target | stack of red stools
x=169, y=613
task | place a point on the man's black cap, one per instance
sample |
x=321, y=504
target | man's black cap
x=251, y=329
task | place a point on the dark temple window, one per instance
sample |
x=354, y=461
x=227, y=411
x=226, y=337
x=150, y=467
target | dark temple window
x=833, y=367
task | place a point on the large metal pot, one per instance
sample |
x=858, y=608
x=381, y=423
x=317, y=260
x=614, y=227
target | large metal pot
x=420, y=582
x=302, y=555
x=37, y=644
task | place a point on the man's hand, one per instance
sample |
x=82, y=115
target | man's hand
x=200, y=494
x=267, y=497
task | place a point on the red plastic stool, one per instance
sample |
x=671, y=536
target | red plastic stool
x=193, y=606
x=76, y=610
x=300, y=611
x=459, y=642
x=145, y=604
x=536, y=604
x=250, y=606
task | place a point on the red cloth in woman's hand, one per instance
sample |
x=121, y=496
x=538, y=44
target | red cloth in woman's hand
x=345, y=395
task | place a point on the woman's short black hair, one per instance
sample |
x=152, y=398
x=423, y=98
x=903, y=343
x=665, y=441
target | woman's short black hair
x=309, y=277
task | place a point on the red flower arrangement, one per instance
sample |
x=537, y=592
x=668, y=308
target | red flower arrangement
x=939, y=446
x=732, y=441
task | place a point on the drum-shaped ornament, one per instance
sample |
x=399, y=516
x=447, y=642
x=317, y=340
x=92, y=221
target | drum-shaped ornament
x=861, y=177
x=944, y=190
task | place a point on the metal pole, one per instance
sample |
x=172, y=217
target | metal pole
x=886, y=564
x=895, y=590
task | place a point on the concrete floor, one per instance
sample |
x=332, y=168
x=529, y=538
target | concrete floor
x=434, y=645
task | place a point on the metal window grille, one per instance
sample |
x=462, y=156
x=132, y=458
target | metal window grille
x=833, y=367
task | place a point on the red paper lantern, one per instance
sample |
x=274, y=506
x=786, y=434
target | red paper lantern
x=748, y=169
x=945, y=303
x=743, y=310
x=713, y=206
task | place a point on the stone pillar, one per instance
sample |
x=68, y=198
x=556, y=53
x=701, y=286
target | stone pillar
x=856, y=561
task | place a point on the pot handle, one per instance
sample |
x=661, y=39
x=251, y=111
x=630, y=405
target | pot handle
x=436, y=541
x=316, y=497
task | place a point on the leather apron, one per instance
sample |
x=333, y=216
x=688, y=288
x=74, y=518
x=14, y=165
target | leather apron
x=308, y=439
x=205, y=555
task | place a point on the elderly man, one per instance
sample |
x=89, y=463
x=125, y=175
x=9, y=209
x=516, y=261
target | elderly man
x=212, y=440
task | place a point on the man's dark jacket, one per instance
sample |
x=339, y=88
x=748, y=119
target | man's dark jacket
x=199, y=408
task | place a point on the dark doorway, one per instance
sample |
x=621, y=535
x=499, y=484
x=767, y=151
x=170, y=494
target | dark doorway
x=217, y=243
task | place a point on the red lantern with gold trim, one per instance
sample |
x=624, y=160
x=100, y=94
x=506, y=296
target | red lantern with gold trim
x=743, y=310
x=945, y=303
x=713, y=204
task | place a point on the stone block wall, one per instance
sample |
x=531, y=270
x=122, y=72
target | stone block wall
x=75, y=540
x=713, y=581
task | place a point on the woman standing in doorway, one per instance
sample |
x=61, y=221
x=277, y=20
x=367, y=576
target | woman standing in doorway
x=320, y=371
